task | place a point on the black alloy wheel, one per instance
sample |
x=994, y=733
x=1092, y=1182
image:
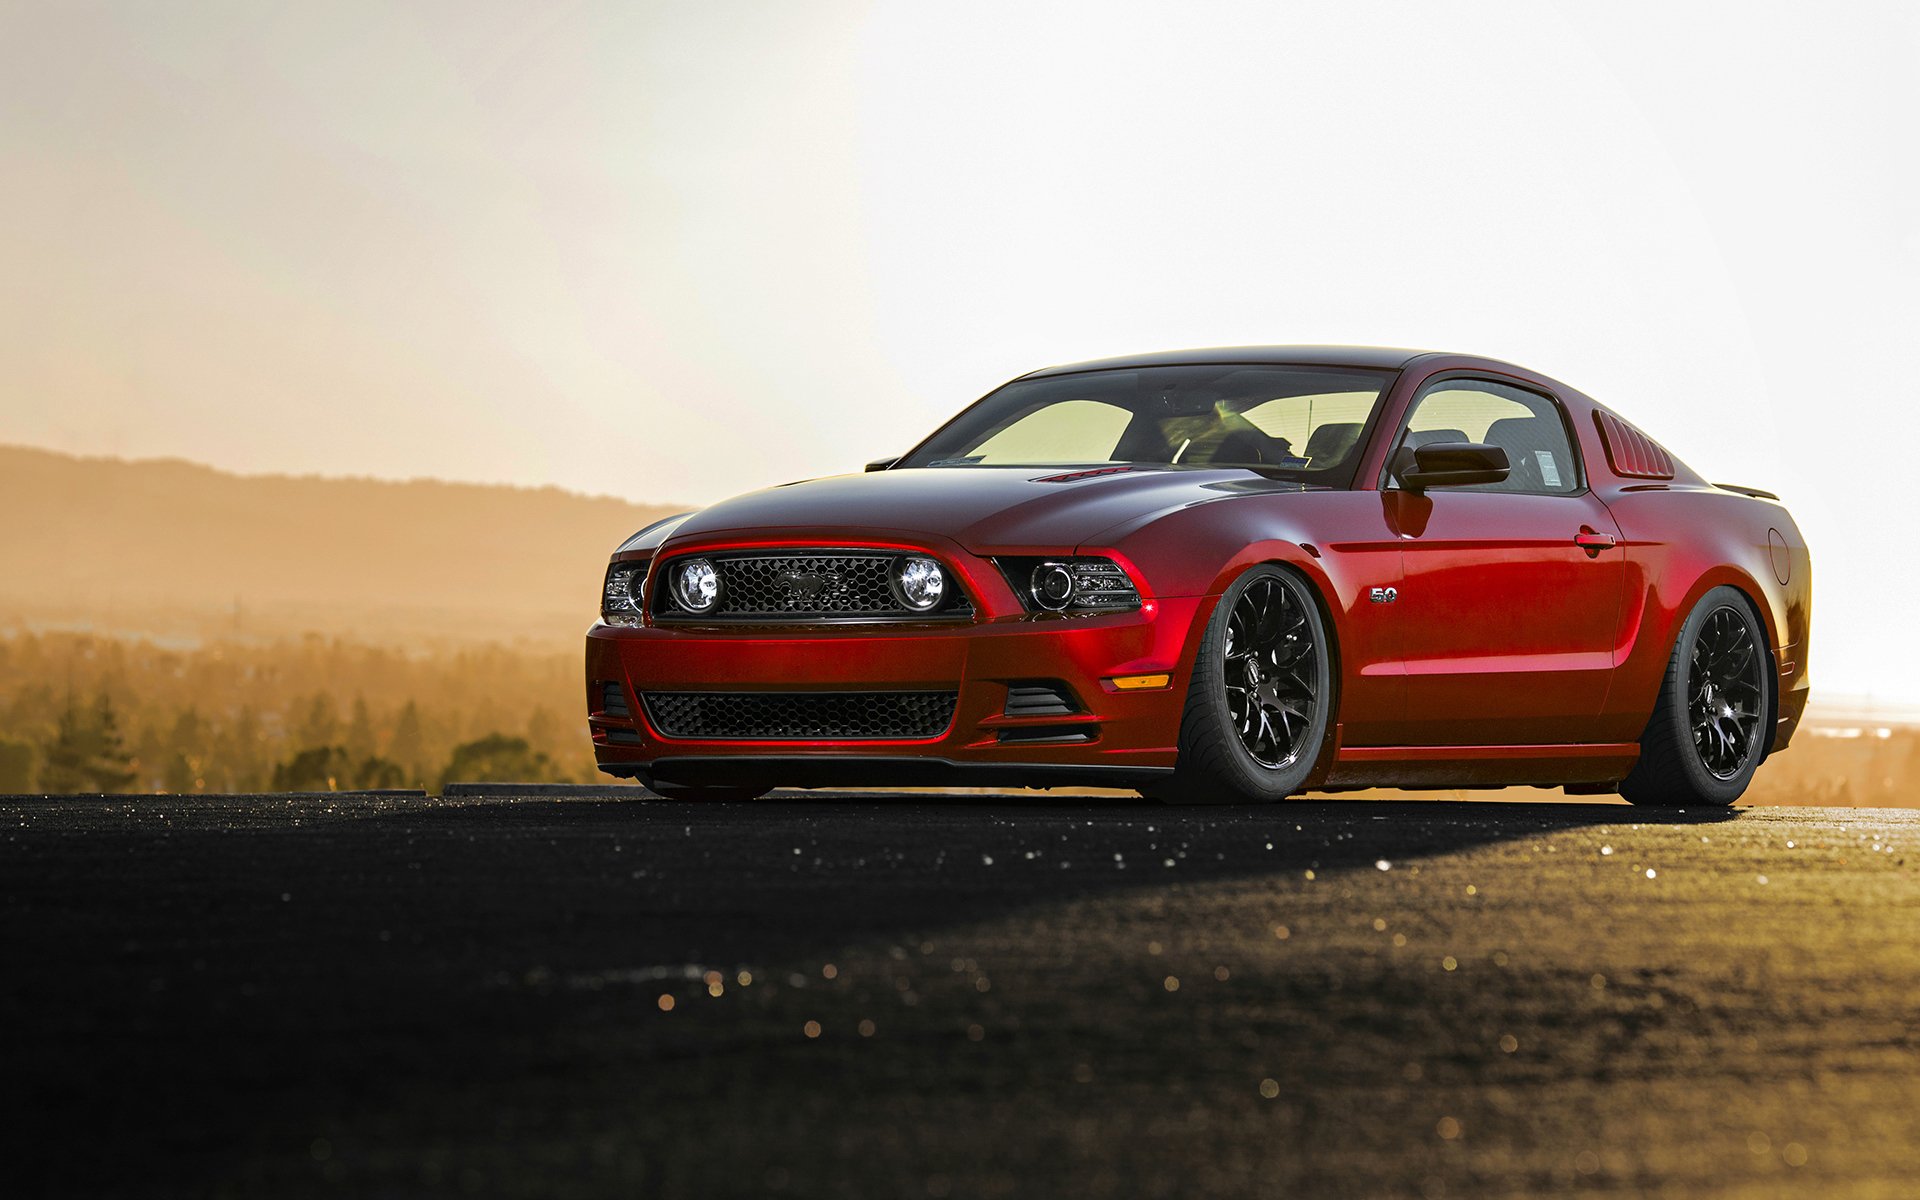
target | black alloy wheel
x=1725, y=694
x=1713, y=722
x=1260, y=703
x=1270, y=684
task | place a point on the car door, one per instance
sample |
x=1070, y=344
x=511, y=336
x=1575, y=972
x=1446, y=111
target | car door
x=1511, y=591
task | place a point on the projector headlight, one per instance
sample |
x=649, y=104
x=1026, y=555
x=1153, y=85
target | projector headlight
x=620, y=599
x=1052, y=586
x=1071, y=586
x=918, y=582
x=696, y=585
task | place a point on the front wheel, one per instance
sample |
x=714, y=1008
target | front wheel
x=1261, y=698
x=1710, y=727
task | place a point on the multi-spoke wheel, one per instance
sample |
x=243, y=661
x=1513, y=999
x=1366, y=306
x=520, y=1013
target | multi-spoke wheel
x=1725, y=692
x=1257, y=710
x=1712, y=723
x=1271, y=684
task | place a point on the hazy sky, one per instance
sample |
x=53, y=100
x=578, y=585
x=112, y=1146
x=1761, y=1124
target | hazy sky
x=674, y=251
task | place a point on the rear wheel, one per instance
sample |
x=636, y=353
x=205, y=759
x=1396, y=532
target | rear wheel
x=1710, y=726
x=1258, y=708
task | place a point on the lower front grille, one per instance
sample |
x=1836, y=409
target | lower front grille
x=801, y=716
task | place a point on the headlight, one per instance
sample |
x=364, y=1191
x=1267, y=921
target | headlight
x=1052, y=586
x=918, y=582
x=1075, y=586
x=620, y=601
x=696, y=585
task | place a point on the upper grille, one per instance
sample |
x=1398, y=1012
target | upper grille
x=801, y=716
x=803, y=585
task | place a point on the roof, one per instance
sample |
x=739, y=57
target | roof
x=1378, y=357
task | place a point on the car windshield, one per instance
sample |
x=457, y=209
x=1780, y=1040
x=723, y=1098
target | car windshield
x=1301, y=423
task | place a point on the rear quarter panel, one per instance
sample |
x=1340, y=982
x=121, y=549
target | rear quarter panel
x=1681, y=541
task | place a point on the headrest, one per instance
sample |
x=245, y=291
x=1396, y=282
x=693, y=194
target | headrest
x=1331, y=441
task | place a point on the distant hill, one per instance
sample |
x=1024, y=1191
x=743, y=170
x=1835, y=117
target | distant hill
x=169, y=547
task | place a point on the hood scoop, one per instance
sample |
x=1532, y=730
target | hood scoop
x=1089, y=473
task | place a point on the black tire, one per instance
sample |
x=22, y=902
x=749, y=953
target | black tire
x=1271, y=616
x=1713, y=722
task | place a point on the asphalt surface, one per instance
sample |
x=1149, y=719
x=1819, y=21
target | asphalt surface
x=979, y=996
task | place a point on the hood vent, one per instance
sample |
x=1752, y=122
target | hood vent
x=1090, y=473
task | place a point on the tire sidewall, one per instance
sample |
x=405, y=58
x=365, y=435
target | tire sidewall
x=1701, y=780
x=1252, y=779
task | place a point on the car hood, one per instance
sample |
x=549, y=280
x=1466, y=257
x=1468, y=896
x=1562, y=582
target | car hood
x=982, y=508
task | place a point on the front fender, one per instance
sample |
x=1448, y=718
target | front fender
x=1338, y=541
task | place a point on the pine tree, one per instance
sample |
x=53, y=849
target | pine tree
x=87, y=753
x=111, y=768
x=63, y=768
x=189, y=736
x=186, y=753
x=408, y=746
x=320, y=723
x=244, y=759
x=359, y=742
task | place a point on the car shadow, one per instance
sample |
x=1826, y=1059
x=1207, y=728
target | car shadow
x=266, y=966
x=800, y=874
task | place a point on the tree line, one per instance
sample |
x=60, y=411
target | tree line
x=81, y=713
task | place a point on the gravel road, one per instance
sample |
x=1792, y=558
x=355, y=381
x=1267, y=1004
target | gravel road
x=828, y=995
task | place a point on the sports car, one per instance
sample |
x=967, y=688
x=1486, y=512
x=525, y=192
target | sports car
x=1221, y=576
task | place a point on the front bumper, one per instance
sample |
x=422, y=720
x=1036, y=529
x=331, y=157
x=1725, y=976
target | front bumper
x=1120, y=738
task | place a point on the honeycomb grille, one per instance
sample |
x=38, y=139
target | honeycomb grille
x=807, y=585
x=801, y=716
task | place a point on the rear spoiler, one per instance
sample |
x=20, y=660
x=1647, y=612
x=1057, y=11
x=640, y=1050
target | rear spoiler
x=1756, y=493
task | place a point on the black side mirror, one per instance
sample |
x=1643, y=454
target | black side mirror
x=881, y=464
x=1451, y=464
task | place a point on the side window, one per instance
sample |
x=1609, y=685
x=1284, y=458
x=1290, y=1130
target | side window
x=1527, y=425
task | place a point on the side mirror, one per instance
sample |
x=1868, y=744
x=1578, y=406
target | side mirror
x=881, y=464
x=1451, y=464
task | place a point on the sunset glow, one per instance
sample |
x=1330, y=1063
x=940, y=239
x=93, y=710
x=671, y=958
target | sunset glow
x=672, y=252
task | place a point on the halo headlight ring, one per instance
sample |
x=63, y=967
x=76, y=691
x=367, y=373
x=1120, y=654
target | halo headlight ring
x=1052, y=586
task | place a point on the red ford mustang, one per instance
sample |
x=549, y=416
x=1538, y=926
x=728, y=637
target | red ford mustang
x=1222, y=575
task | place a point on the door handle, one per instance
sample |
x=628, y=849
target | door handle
x=1593, y=542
